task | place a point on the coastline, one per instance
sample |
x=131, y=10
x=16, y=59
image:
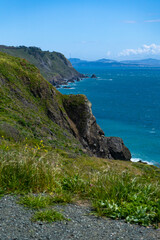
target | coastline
x=147, y=140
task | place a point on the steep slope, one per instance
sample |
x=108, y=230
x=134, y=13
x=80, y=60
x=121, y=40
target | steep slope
x=52, y=65
x=30, y=107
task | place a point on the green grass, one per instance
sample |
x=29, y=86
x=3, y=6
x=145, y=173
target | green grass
x=135, y=199
x=2, y=192
x=35, y=202
x=115, y=189
x=30, y=107
x=42, y=201
x=48, y=215
x=57, y=64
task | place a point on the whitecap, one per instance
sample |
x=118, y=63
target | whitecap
x=152, y=131
x=69, y=88
x=105, y=79
x=139, y=159
x=136, y=159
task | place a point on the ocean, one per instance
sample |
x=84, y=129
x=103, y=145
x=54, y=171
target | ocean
x=126, y=103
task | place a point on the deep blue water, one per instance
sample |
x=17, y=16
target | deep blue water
x=126, y=103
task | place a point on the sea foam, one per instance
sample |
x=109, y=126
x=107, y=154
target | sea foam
x=139, y=159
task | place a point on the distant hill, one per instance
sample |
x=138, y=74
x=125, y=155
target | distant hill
x=104, y=60
x=144, y=62
x=101, y=63
x=52, y=65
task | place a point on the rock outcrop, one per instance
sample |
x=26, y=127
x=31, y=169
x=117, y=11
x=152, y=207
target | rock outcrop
x=93, y=76
x=89, y=133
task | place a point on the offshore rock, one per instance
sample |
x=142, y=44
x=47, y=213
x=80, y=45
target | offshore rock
x=93, y=76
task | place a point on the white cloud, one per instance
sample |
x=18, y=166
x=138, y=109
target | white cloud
x=130, y=21
x=152, y=49
x=108, y=53
x=86, y=42
x=152, y=21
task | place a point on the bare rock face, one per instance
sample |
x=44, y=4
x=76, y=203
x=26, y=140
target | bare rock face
x=117, y=149
x=91, y=136
x=93, y=76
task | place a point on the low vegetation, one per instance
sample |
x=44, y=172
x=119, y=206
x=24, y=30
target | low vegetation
x=116, y=189
x=45, y=200
x=31, y=108
x=35, y=202
x=48, y=215
x=52, y=65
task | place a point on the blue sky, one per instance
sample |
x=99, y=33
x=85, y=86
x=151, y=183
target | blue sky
x=118, y=29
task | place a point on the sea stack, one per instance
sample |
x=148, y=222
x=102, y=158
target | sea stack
x=93, y=76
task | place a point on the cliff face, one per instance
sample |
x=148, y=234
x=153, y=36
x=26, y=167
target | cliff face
x=53, y=65
x=31, y=107
x=90, y=134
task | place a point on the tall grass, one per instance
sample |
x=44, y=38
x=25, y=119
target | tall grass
x=128, y=194
x=124, y=196
x=28, y=170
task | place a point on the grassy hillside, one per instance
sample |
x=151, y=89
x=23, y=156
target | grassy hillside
x=27, y=105
x=52, y=65
x=39, y=154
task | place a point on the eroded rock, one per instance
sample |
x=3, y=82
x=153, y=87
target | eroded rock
x=90, y=134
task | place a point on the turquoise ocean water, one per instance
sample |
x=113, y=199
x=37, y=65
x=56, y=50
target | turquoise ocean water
x=126, y=103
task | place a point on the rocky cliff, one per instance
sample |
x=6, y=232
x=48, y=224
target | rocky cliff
x=53, y=65
x=90, y=134
x=30, y=107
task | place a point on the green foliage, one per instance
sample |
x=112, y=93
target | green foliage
x=2, y=192
x=124, y=196
x=62, y=197
x=35, y=202
x=52, y=65
x=116, y=189
x=75, y=100
x=42, y=201
x=73, y=184
x=48, y=215
x=27, y=169
x=25, y=103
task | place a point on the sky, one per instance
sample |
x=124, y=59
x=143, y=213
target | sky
x=86, y=29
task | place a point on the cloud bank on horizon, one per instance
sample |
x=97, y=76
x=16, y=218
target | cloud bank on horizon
x=151, y=49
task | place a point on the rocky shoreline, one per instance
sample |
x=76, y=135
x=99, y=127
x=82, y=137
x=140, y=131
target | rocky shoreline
x=65, y=82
